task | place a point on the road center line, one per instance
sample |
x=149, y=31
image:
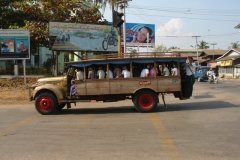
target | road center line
x=165, y=140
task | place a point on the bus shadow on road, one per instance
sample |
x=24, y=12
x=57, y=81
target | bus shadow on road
x=200, y=106
x=103, y=110
x=170, y=107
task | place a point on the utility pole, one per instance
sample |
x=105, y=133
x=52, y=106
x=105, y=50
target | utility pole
x=197, y=47
x=213, y=44
x=123, y=8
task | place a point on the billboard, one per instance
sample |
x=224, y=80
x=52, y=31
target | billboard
x=140, y=34
x=15, y=44
x=83, y=37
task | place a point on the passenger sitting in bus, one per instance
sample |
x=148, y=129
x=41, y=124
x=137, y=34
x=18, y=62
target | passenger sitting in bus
x=153, y=71
x=174, y=70
x=100, y=73
x=125, y=72
x=145, y=72
x=79, y=74
x=90, y=73
x=165, y=70
x=117, y=72
x=73, y=90
x=109, y=74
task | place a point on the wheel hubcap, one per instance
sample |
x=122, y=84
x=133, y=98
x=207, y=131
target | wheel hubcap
x=45, y=104
x=146, y=101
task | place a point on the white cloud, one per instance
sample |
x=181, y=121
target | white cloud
x=174, y=27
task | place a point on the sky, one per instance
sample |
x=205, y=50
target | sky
x=177, y=21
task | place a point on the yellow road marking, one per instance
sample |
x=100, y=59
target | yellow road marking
x=165, y=140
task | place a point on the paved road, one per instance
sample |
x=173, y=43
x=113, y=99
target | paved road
x=204, y=127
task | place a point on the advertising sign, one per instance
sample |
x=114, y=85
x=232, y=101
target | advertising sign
x=83, y=37
x=140, y=34
x=15, y=44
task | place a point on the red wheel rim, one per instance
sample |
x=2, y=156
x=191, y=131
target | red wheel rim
x=45, y=104
x=146, y=101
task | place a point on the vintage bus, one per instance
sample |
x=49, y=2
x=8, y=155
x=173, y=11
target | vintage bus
x=53, y=94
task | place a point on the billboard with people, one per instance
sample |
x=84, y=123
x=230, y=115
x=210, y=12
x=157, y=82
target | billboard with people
x=83, y=37
x=15, y=44
x=140, y=34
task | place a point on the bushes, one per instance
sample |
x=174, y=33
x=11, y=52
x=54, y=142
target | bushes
x=34, y=71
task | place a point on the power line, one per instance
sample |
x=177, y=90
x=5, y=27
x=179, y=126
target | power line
x=186, y=11
x=234, y=12
x=188, y=36
x=205, y=19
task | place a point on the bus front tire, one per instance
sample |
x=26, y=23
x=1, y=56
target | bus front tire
x=46, y=103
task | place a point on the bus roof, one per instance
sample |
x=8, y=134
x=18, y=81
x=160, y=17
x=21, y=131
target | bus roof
x=128, y=58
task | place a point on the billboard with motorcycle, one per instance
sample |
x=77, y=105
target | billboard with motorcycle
x=83, y=37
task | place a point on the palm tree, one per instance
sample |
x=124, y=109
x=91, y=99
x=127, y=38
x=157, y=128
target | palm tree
x=237, y=26
x=104, y=3
x=203, y=45
x=235, y=45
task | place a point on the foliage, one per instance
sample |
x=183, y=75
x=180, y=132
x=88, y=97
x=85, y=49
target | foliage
x=160, y=48
x=237, y=26
x=10, y=16
x=235, y=45
x=203, y=45
x=35, y=15
x=172, y=48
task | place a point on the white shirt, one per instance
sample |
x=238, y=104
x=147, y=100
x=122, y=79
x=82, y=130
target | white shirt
x=166, y=71
x=101, y=74
x=79, y=75
x=125, y=73
x=174, y=71
x=190, y=69
x=144, y=73
x=110, y=74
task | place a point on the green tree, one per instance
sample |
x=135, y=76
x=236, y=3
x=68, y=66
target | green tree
x=235, y=45
x=43, y=11
x=35, y=15
x=203, y=45
x=173, y=47
x=10, y=15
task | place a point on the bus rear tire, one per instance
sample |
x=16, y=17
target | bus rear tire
x=145, y=101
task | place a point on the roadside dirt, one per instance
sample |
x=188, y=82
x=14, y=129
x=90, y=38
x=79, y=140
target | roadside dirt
x=13, y=91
